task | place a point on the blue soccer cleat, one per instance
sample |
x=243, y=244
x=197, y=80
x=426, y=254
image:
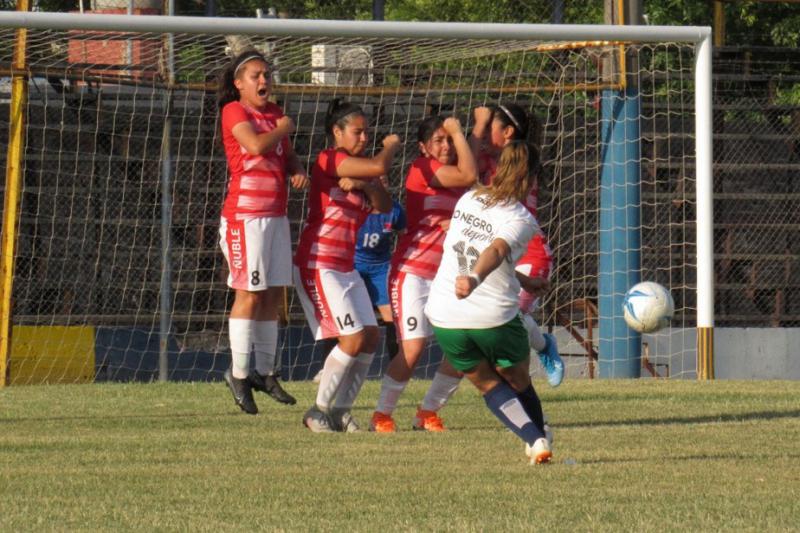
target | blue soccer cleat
x=551, y=361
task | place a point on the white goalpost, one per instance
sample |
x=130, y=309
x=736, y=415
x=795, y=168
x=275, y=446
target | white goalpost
x=115, y=176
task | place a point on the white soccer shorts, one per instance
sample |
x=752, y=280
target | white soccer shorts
x=258, y=252
x=408, y=294
x=335, y=303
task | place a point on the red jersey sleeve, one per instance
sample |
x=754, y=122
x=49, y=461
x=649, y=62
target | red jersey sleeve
x=232, y=114
x=428, y=167
x=329, y=161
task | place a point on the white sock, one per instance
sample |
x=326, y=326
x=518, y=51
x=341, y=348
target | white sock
x=265, y=346
x=337, y=366
x=391, y=390
x=240, y=331
x=515, y=412
x=535, y=336
x=353, y=381
x=442, y=388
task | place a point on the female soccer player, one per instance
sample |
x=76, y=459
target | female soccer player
x=473, y=304
x=435, y=182
x=374, y=244
x=493, y=129
x=254, y=230
x=345, y=187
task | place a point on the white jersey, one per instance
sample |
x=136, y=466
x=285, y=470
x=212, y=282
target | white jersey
x=473, y=227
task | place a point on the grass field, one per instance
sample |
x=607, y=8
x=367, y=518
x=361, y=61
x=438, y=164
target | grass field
x=629, y=455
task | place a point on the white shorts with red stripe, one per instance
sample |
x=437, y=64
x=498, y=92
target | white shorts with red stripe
x=408, y=294
x=528, y=303
x=335, y=303
x=258, y=252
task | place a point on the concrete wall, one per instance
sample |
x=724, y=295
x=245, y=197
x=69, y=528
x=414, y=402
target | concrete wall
x=757, y=353
x=739, y=353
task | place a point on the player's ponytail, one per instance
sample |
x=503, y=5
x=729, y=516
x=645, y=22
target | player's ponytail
x=516, y=172
x=226, y=90
x=339, y=114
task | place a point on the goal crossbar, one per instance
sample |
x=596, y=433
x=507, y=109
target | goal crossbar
x=343, y=28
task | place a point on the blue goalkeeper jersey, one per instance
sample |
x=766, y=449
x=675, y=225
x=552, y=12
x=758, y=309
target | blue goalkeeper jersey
x=374, y=239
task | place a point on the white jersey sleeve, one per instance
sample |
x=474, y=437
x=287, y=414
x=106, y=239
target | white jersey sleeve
x=516, y=233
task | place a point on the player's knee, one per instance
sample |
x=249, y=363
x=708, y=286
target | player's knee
x=365, y=341
x=248, y=300
x=370, y=339
x=517, y=377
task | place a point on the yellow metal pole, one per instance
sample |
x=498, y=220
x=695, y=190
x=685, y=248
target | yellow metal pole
x=705, y=354
x=19, y=97
x=623, y=68
x=719, y=23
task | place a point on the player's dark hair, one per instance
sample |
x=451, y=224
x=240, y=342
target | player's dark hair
x=428, y=127
x=514, y=116
x=340, y=113
x=226, y=90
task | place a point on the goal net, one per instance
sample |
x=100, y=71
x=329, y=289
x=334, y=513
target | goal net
x=116, y=263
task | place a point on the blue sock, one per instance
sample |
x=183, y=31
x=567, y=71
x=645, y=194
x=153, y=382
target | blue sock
x=504, y=404
x=533, y=406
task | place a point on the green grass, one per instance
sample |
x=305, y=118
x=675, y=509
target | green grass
x=629, y=455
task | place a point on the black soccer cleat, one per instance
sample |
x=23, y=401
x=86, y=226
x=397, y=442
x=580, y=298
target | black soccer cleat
x=269, y=384
x=242, y=393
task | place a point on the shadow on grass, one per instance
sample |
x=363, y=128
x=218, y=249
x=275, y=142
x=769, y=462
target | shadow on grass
x=156, y=416
x=704, y=419
x=701, y=458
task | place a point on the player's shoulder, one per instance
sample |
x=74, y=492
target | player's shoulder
x=328, y=160
x=233, y=112
x=516, y=211
x=233, y=106
x=422, y=171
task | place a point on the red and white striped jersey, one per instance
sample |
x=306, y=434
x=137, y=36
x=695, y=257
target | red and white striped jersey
x=328, y=239
x=257, y=186
x=419, y=250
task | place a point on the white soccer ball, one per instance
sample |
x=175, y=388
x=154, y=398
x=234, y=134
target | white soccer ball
x=648, y=307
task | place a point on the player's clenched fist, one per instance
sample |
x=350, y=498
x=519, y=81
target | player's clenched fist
x=286, y=124
x=391, y=142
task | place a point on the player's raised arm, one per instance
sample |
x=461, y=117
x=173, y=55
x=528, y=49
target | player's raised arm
x=464, y=173
x=370, y=167
x=482, y=118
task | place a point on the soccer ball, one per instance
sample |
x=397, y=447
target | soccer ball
x=648, y=307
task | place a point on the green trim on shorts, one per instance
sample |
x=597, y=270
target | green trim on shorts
x=502, y=346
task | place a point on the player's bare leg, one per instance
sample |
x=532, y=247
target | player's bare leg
x=444, y=385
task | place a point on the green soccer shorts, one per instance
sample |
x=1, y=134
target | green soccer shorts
x=503, y=346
